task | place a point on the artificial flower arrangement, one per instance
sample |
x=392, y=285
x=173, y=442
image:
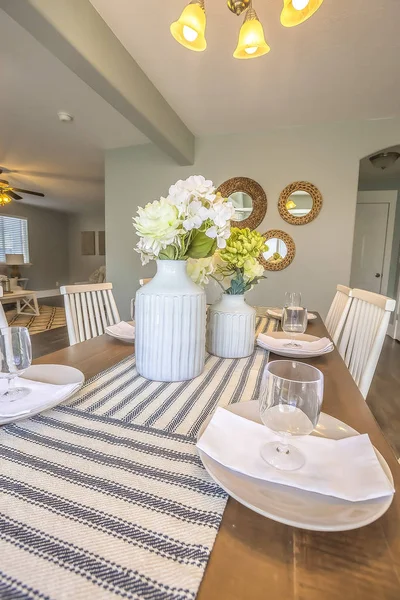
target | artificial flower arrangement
x=235, y=267
x=190, y=223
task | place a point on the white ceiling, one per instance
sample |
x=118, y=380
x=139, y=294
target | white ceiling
x=64, y=161
x=373, y=178
x=341, y=64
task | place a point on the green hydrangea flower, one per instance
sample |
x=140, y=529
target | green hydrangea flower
x=242, y=245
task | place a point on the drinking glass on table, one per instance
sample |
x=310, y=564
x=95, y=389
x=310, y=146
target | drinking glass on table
x=293, y=299
x=15, y=358
x=294, y=320
x=290, y=404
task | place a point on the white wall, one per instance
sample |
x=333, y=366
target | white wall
x=326, y=155
x=81, y=267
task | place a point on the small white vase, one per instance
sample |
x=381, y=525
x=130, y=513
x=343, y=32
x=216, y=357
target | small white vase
x=170, y=325
x=231, y=327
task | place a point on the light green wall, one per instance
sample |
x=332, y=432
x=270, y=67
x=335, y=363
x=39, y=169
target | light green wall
x=326, y=155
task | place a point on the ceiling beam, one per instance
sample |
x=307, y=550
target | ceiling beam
x=75, y=33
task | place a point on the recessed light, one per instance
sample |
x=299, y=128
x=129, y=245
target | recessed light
x=65, y=117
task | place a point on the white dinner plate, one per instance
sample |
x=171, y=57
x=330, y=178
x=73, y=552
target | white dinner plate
x=276, y=313
x=291, y=506
x=55, y=374
x=300, y=337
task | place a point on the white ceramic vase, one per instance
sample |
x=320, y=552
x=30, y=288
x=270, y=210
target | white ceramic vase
x=170, y=325
x=231, y=327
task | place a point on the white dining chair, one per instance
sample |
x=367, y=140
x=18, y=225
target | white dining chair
x=89, y=309
x=363, y=335
x=338, y=312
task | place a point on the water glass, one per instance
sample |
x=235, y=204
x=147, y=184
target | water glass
x=15, y=358
x=290, y=404
x=294, y=320
x=293, y=299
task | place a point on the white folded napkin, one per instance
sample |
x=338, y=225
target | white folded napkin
x=347, y=469
x=267, y=342
x=122, y=330
x=41, y=394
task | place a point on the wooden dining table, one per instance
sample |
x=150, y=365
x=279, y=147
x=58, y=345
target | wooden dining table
x=255, y=558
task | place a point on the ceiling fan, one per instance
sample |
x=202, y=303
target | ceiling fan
x=8, y=192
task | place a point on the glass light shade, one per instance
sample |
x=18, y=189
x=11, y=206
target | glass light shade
x=190, y=28
x=4, y=199
x=291, y=16
x=251, y=40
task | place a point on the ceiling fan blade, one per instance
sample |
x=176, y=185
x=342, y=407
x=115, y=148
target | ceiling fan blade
x=13, y=195
x=28, y=192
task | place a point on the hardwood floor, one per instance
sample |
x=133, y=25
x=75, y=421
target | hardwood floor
x=384, y=395
x=383, y=398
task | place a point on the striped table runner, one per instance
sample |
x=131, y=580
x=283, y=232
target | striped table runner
x=121, y=393
x=105, y=496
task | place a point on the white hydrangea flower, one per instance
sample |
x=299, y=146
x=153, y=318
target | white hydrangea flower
x=200, y=269
x=252, y=269
x=158, y=223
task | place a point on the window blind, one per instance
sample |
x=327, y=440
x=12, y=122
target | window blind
x=13, y=237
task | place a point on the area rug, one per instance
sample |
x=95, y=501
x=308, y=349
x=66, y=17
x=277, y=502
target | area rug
x=50, y=317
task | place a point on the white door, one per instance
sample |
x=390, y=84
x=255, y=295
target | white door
x=369, y=246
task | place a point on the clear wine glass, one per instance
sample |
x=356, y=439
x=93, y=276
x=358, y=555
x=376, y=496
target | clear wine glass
x=15, y=358
x=294, y=320
x=290, y=404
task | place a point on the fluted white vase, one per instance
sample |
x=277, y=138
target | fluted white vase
x=170, y=325
x=231, y=327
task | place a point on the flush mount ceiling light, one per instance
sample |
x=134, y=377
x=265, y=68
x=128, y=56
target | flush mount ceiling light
x=64, y=116
x=383, y=160
x=189, y=29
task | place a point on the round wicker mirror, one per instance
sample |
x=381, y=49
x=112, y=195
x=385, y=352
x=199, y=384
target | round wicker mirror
x=281, y=250
x=249, y=200
x=300, y=203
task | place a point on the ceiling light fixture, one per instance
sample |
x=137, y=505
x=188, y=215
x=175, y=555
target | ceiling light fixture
x=65, y=117
x=189, y=29
x=238, y=6
x=4, y=199
x=295, y=12
x=251, y=37
x=383, y=160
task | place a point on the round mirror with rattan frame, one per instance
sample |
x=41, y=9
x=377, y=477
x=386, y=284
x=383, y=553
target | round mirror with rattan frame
x=291, y=250
x=256, y=193
x=303, y=186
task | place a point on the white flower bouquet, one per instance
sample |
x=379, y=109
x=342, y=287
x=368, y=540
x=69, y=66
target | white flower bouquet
x=191, y=222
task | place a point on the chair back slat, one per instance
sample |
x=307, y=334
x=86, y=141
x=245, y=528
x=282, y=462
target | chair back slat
x=96, y=313
x=338, y=312
x=89, y=310
x=363, y=335
x=92, y=320
x=102, y=312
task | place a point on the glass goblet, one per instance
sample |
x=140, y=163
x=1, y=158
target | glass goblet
x=15, y=358
x=290, y=404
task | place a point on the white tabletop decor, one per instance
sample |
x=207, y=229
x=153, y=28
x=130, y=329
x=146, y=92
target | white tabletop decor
x=170, y=311
x=231, y=321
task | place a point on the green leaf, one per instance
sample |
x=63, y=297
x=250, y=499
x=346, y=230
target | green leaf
x=201, y=246
x=168, y=253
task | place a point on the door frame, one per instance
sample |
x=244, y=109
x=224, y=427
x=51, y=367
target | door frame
x=383, y=197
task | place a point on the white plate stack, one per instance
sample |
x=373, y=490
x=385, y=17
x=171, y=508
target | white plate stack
x=307, y=346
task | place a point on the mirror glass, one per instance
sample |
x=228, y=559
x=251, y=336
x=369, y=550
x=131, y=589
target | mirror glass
x=299, y=203
x=243, y=204
x=277, y=251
